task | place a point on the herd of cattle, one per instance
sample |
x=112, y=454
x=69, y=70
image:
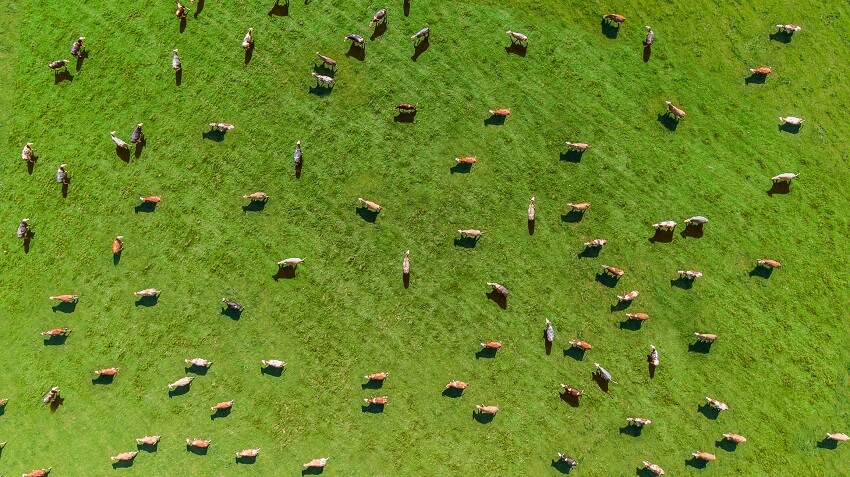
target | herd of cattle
x=24, y=231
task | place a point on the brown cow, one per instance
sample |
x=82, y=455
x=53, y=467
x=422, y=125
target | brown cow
x=498, y=288
x=466, y=160
x=577, y=146
x=613, y=271
x=37, y=472
x=654, y=468
x=761, y=70
x=595, y=243
x=581, y=344
x=117, y=244
x=405, y=107
x=377, y=400
x=628, y=296
x=487, y=409
x=637, y=316
x=107, y=371
x=379, y=17
x=224, y=405
x=571, y=391
x=503, y=112
x=326, y=60
x=719, y=405
x=614, y=18
x=736, y=438
x=248, y=453
x=56, y=332
x=492, y=344
x=150, y=199
x=376, y=376
x=199, y=443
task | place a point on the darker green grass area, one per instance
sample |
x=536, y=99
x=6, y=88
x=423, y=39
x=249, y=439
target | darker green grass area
x=780, y=362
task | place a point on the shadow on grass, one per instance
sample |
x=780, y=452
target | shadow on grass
x=254, y=206
x=279, y=10
x=69, y=307
x=601, y=382
x=763, y=272
x=313, y=471
x=571, y=156
x=31, y=165
x=65, y=186
x=683, y=283
x=755, y=78
x=466, y=242
x=199, y=370
x=530, y=227
x=249, y=53
x=827, y=444
x=27, y=241
x=561, y=466
x=356, y=52
x=231, y=313
x=405, y=280
x=692, y=231
x=790, y=128
x=147, y=447
x=199, y=8
x=573, y=216
x=55, y=340
x=405, y=117
x=708, y=411
x=287, y=273
x=213, y=135
x=298, y=168
x=123, y=464
x=103, y=379
x=547, y=345
x=248, y=459
x=630, y=324
x=644, y=472
x=664, y=236
x=372, y=408
x=696, y=463
x=182, y=26
x=380, y=29
x=452, y=393
x=140, y=146
x=147, y=300
x=620, y=306
x=482, y=418
x=406, y=7
x=323, y=69
x=419, y=48
x=276, y=372
x=607, y=280
x=647, y=53
x=368, y=215
x=56, y=403
x=146, y=207
x=495, y=120
x=781, y=36
x=703, y=347
x=590, y=252
x=609, y=29
x=781, y=188
x=320, y=90
x=668, y=121
x=219, y=413
x=498, y=299
x=487, y=353
x=569, y=399
x=197, y=450
x=631, y=430
x=372, y=384
x=81, y=57
x=726, y=444
x=575, y=353
x=179, y=391
x=652, y=367
x=123, y=154
x=63, y=76
x=516, y=49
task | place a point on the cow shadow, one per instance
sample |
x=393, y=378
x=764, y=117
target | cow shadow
x=56, y=403
x=571, y=156
x=682, y=282
x=231, y=313
x=561, y=466
x=103, y=379
x=495, y=120
x=122, y=153
x=547, y=345
x=31, y=165
x=575, y=353
x=249, y=53
x=298, y=168
x=198, y=9
x=700, y=347
x=755, y=78
x=65, y=186
x=368, y=215
x=647, y=53
x=147, y=447
x=498, y=299
x=247, y=459
x=356, y=52
x=590, y=252
x=254, y=206
x=466, y=242
x=461, y=168
x=708, y=411
x=146, y=207
x=197, y=450
x=610, y=30
x=763, y=272
x=406, y=7
x=199, y=370
x=276, y=372
x=312, y=471
x=486, y=353
x=620, y=306
x=692, y=231
x=482, y=417
x=372, y=408
x=279, y=10
x=123, y=464
x=568, y=398
x=781, y=36
x=55, y=340
x=219, y=413
x=516, y=49
x=324, y=69
x=419, y=48
x=696, y=463
x=372, y=384
x=286, y=273
x=726, y=444
x=81, y=58
x=452, y=393
x=827, y=444
x=405, y=117
x=178, y=77
x=63, y=76
x=631, y=430
x=65, y=307
x=668, y=121
x=572, y=217
x=179, y=391
x=644, y=472
x=530, y=227
x=147, y=300
x=630, y=324
x=213, y=135
x=781, y=188
x=790, y=128
x=27, y=241
x=405, y=280
x=607, y=280
x=320, y=90
x=182, y=27
x=380, y=29
x=140, y=146
x=601, y=381
x=652, y=367
x=663, y=236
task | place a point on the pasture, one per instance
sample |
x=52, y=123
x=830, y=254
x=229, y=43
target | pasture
x=781, y=361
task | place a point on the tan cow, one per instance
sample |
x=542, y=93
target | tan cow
x=107, y=371
x=628, y=296
x=248, y=453
x=65, y=298
x=654, y=468
x=503, y=112
x=719, y=405
x=273, y=363
x=761, y=70
x=376, y=376
x=371, y=206
x=118, y=141
x=290, y=262
x=482, y=409
x=838, y=437
x=707, y=337
x=472, y=233
x=199, y=443
x=148, y=440
x=637, y=316
x=256, y=196
x=56, y=332
x=517, y=37
x=124, y=456
x=326, y=60
x=675, y=111
x=181, y=383
x=147, y=292
x=377, y=400
x=491, y=344
x=736, y=438
x=614, y=18
x=317, y=463
x=577, y=146
x=708, y=457
x=454, y=384
x=117, y=245
x=531, y=210
x=785, y=177
x=199, y=362
x=580, y=207
x=405, y=263
x=768, y=263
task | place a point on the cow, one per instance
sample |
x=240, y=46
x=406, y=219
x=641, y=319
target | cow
x=147, y=292
x=768, y=263
x=550, y=331
x=405, y=108
x=498, y=288
x=689, y=274
x=248, y=453
x=317, y=463
x=454, y=384
x=51, y=395
x=517, y=37
x=789, y=28
x=56, y=332
x=571, y=391
x=327, y=60
x=377, y=400
x=355, y=39
x=23, y=231
x=137, y=135
x=58, y=64
x=719, y=405
x=369, y=205
x=470, y=160
x=379, y=17
x=3, y=402
x=653, y=356
x=37, y=472
x=199, y=362
x=654, y=468
x=581, y=344
x=222, y=127
x=376, y=376
x=256, y=196
x=708, y=457
x=471, y=233
x=638, y=421
x=26, y=153
x=792, y=120
x=124, y=456
x=595, y=243
x=531, y=213
x=706, y=337
x=182, y=382
x=736, y=438
x=199, y=443
x=786, y=177
x=491, y=344
x=628, y=296
x=273, y=363
x=614, y=18
x=231, y=304
x=405, y=263
x=325, y=81
x=148, y=441
x=77, y=47
x=501, y=112
x=65, y=298
x=838, y=437
x=181, y=11
x=650, y=36
x=675, y=111
x=248, y=41
x=176, y=63
x=222, y=406
x=696, y=220
x=482, y=409
x=577, y=146
x=423, y=33
x=107, y=372
x=118, y=141
x=637, y=316
x=613, y=271
x=297, y=155
x=665, y=225
x=567, y=459
x=62, y=174
x=579, y=207
x=290, y=262
x=761, y=70
x=117, y=244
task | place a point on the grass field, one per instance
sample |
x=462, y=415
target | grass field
x=781, y=361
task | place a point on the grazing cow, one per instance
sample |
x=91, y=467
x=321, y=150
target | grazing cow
x=838, y=437
x=147, y=292
x=199, y=362
x=482, y=409
x=595, y=243
x=736, y=438
x=531, y=210
x=653, y=356
x=248, y=453
x=117, y=244
x=77, y=46
x=719, y=405
x=503, y=112
x=137, y=136
x=638, y=421
x=405, y=107
x=637, y=316
x=356, y=39
x=182, y=382
x=222, y=127
x=690, y=274
x=297, y=155
x=517, y=37
x=26, y=153
x=51, y=395
x=65, y=298
x=107, y=372
x=789, y=28
x=472, y=233
x=248, y=41
x=3, y=402
x=256, y=196
x=371, y=206
x=786, y=177
x=581, y=344
x=571, y=391
x=376, y=376
x=37, y=472
x=498, y=288
x=56, y=332
x=761, y=70
x=58, y=64
x=62, y=174
x=317, y=463
x=792, y=120
x=181, y=11
x=377, y=400
x=567, y=459
x=696, y=220
x=614, y=18
x=613, y=271
x=175, y=60
x=577, y=146
x=491, y=344
x=666, y=225
x=603, y=373
x=707, y=337
x=677, y=112
x=148, y=441
x=405, y=263
x=124, y=456
x=580, y=207
x=199, y=443
x=454, y=384
x=290, y=262
x=221, y=406
x=323, y=80
x=550, y=331
x=118, y=141
x=379, y=17
x=273, y=363
x=708, y=457
x=650, y=36
x=23, y=229
x=654, y=468
x=423, y=33
x=628, y=296
x=231, y=304
x=466, y=160
x=327, y=60
x=768, y=263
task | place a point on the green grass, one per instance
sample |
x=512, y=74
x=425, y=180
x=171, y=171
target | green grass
x=781, y=361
